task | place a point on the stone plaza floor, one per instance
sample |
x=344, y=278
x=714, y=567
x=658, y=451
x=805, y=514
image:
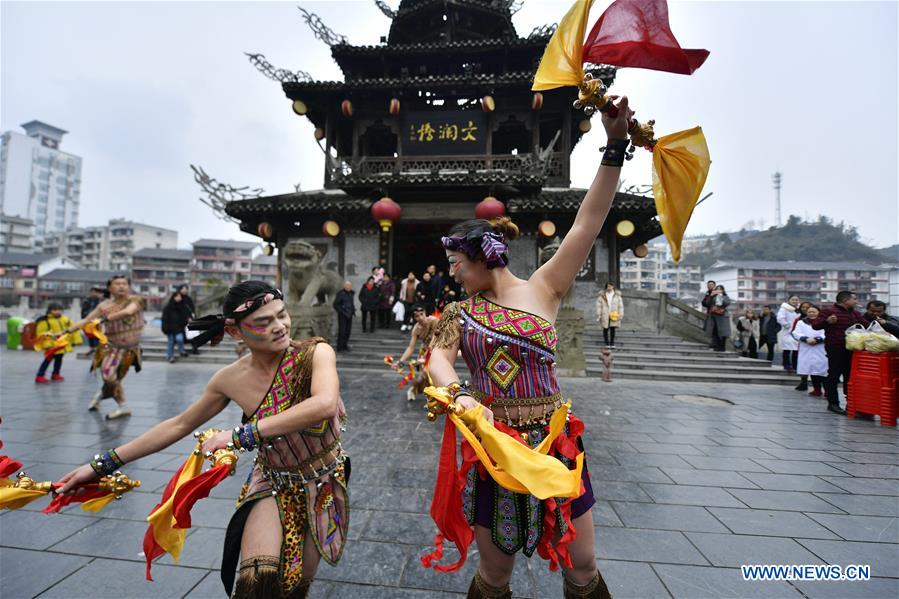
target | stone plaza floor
x=686, y=492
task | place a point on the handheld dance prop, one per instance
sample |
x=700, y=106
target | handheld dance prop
x=504, y=456
x=18, y=493
x=634, y=33
x=170, y=519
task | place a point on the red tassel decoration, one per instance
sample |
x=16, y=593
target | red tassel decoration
x=194, y=490
x=9, y=466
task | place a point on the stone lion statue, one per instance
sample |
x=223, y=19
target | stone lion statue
x=309, y=283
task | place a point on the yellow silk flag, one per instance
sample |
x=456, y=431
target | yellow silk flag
x=162, y=536
x=513, y=465
x=680, y=165
x=13, y=497
x=562, y=63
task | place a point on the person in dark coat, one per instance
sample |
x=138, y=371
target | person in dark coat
x=188, y=300
x=768, y=329
x=370, y=298
x=877, y=310
x=345, y=306
x=175, y=316
x=388, y=298
x=717, y=324
x=424, y=293
x=834, y=321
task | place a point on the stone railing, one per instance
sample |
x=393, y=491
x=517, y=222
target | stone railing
x=658, y=312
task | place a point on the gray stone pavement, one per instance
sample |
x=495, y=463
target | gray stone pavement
x=686, y=492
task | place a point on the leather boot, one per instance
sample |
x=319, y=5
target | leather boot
x=595, y=589
x=481, y=590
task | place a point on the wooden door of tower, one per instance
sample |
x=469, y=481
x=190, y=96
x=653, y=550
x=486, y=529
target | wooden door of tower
x=416, y=246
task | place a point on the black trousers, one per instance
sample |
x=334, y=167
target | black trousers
x=790, y=359
x=769, y=346
x=384, y=316
x=57, y=365
x=407, y=316
x=752, y=350
x=344, y=326
x=608, y=335
x=368, y=321
x=839, y=364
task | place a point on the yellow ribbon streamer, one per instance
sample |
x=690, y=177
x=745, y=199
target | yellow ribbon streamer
x=680, y=165
x=12, y=498
x=167, y=536
x=97, y=503
x=562, y=63
x=93, y=329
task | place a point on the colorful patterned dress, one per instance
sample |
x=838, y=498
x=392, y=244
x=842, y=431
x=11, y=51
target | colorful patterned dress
x=307, y=473
x=511, y=357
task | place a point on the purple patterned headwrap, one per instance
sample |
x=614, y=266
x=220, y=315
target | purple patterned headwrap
x=480, y=241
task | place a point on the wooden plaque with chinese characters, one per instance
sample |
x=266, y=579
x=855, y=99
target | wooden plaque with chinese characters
x=444, y=133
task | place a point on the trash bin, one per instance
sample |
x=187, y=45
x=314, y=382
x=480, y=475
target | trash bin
x=29, y=335
x=14, y=332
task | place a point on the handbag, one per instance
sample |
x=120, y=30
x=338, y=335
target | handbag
x=738, y=343
x=717, y=311
x=614, y=316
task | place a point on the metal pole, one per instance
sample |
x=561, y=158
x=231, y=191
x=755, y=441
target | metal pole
x=777, y=179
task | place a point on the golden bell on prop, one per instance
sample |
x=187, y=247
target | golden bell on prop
x=330, y=228
x=346, y=108
x=546, y=228
x=625, y=228
x=585, y=125
x=537, y=101
x=268, y=249
x=394, y=106
x=299, y=107
x=488, y=104
x=641, y=251
x=319, y=133
x=265, y=230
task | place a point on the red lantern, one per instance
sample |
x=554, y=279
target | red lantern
x=489, y=208
x=346, y=107
x=394, y=106
x=265, y=230
x=386, y=212
x=537, y=102
x=488, y=104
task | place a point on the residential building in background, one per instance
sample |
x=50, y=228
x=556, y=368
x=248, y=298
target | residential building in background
x=753, y=284
x=156, y=273
x=16, y=234
x=264, y=268
x=111, y=246
x=38, y=181
x=20, y=274
x=220, y=263
x=64, y=285
x=658, y=272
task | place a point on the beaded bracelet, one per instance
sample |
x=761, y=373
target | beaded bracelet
x=106, y=463
x=246, y=437
x=615, y=152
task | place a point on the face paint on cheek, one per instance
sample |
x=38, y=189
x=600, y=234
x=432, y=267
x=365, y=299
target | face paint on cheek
x=254, y=333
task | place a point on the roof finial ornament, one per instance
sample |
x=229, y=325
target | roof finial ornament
x=543, y=31
x=283, y=75
x=321, y=31
x=219, y=195
x=385, y=8
x=513, y=5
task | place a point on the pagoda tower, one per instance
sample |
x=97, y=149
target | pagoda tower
x=439, y=117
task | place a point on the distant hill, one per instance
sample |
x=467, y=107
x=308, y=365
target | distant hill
x=818, y=241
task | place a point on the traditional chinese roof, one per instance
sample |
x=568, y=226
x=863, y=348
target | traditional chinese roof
x=295, y=89
x=323, y=200
x=450, y=20
x=558, y=199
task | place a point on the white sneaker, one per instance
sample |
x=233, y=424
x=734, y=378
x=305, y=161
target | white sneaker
x=119, y=412
x=95, y=402
x=410, y=394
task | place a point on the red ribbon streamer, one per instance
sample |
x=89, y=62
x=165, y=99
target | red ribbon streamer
x=194, y=490
x=152, y=549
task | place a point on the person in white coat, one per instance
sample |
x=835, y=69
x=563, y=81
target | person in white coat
x=812, y=355
x=786, y=315
x=609, y=311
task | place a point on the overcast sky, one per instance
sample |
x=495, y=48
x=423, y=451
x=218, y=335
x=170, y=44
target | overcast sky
x=145, y=89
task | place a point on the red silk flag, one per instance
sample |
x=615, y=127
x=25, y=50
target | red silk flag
x=635, y=33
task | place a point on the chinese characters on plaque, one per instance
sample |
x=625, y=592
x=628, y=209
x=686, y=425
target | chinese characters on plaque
x=445, y=132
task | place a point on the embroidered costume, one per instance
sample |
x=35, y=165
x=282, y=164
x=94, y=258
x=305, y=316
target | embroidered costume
x=306, y=472
x=122, y=350
x=511, y=356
